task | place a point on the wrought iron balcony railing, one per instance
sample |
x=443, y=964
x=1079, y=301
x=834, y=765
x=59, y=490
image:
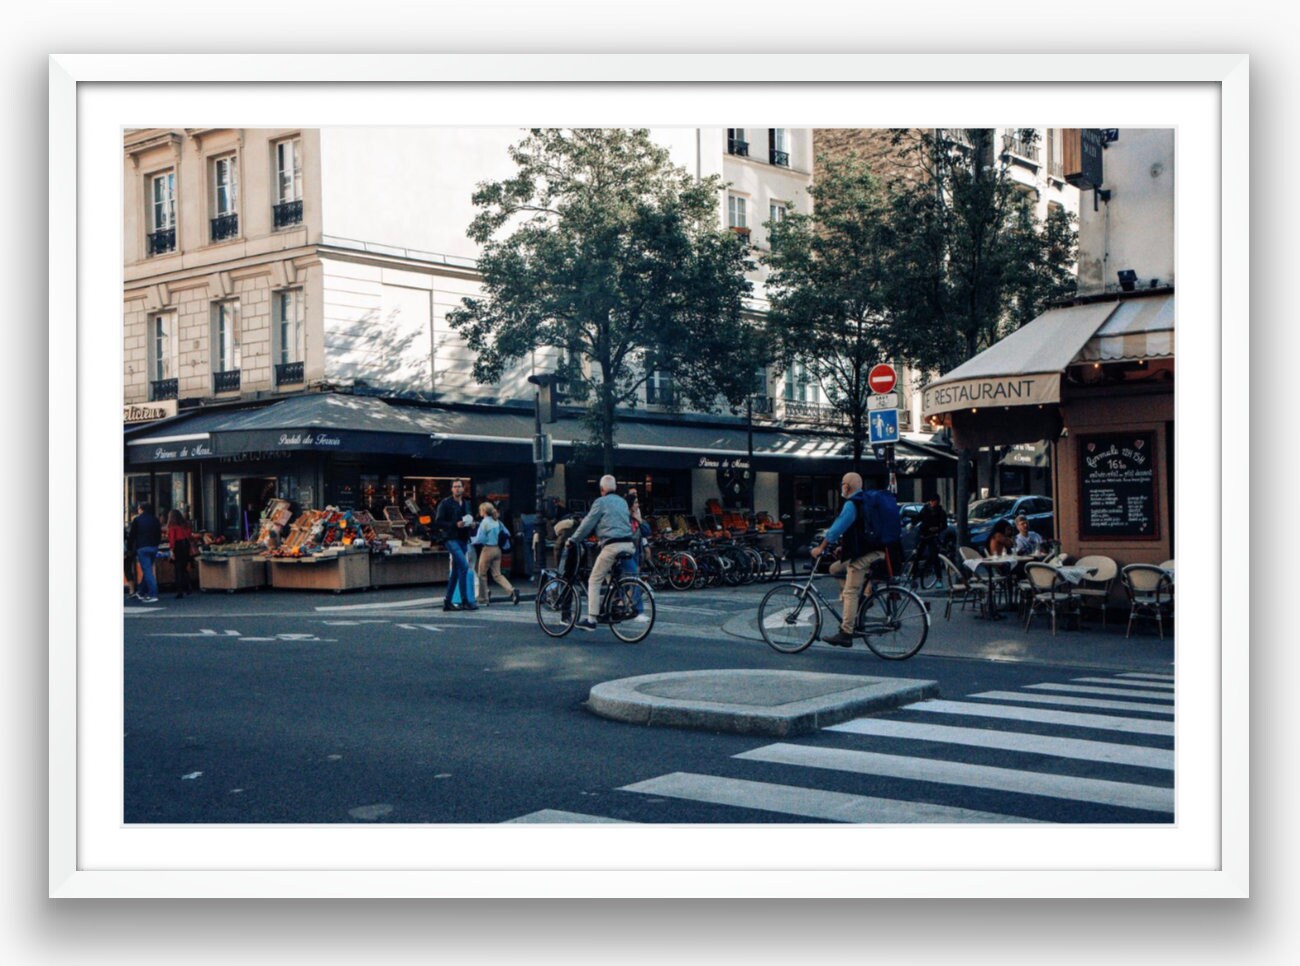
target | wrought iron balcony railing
x=1020, y=147
x=227, y=381
x=780, y=158
x=163, y=389
x=742, y=232
x=288, y=372
x=287, y=213
x=737, y=147
x=225, y=226
x=161, y=241
x=810, y=412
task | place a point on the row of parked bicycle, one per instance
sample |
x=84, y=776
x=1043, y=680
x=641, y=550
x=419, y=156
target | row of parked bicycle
x=692, y=562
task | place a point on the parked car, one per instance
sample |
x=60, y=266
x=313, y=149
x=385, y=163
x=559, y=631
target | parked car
x=983, y=515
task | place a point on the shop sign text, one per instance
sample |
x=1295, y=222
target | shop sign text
x=708, y=463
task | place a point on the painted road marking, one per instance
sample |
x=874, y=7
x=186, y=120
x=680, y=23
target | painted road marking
x=556, y=817
x=1113, y=692
x=1075, y=719
x=807, y=802
x=1115, y=754
x=1079, y=702
x=1044, y=784
x=1122, y=682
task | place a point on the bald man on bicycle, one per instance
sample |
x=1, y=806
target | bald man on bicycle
x=860, y=550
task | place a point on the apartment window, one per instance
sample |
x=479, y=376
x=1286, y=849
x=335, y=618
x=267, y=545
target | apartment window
x=799, y=385
x=162, y=356
x=778, y=147
x=225, y=197
x=162, y=213
x=225, y=345
x=775, y=215
x=659, y=388
x=1055, y=154
x=736, y=142
x=288, y=182
x=737, y=216
x=289, y=336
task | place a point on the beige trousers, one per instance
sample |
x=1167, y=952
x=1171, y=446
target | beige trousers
x=489, y=563
x=604, y=562
x=855, y=579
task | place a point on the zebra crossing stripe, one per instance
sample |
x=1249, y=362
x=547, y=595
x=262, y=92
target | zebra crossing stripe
x=1114, y=692
x=1041, y=784
x=1079, y=702
x=553, y=816
x=1150, y=677
x=1074, y=719
x=1081, y=749
x=808, y=802
x=1120, y=682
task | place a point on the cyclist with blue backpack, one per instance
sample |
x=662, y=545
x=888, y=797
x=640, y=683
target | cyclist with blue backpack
x=868, y=526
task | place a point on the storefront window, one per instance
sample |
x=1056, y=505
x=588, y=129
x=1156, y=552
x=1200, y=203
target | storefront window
x=165, y=491
x=429, y=491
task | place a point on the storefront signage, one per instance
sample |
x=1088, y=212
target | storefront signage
x=1117, y=486
x=178, y=451
x=309, y=439
x=148, y=412
x=708, y=463
x=1017, y=390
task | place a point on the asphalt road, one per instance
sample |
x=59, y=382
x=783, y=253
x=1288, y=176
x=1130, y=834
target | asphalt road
x=379, y=707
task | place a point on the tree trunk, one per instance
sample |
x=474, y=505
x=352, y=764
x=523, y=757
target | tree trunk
x=607, y=424
x=963, y=496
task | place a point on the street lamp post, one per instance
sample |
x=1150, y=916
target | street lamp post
x=541, y=458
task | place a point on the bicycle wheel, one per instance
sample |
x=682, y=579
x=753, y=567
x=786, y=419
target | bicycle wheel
x=931, y=575
x=896, y=624
x=627, y=594
x=789, y=618
x=771, y=566
x=755, y=565
x=682, y=571
x=559, y=604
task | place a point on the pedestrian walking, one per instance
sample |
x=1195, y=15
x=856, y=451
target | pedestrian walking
x=179, y=535
x=143, y=538
x=454, y=518
x=490, y=532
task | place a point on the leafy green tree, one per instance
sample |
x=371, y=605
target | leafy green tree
x=829, y=287
x=970, y=262
x=600, y=247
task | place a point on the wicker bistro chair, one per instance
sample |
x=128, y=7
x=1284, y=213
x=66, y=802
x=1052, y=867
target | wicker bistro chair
x=961, y=581
x=1049, y=591
x=970, y=553
x=1150, y=594
x=1094, y=592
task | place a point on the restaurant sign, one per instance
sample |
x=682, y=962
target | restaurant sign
x=992, y=391
x=148, y=412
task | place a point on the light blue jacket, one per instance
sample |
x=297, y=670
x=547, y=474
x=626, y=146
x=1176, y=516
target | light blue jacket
x=609, y=517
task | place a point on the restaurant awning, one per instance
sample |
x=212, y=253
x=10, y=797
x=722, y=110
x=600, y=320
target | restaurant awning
x=1024, y=369
x=1028, y=455
x=340, y=423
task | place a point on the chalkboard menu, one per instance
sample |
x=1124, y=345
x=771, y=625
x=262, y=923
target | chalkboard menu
x=1117, y=486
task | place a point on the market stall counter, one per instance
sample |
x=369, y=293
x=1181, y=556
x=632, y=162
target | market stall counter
x=335, y=572
x=231, y=572
x=410, y=567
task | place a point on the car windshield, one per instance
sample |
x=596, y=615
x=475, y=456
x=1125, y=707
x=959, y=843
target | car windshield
x=988, y=509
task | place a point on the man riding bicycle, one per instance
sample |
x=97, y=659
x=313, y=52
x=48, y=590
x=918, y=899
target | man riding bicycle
x=932, y=521
x=610, y=519
x=864, y=544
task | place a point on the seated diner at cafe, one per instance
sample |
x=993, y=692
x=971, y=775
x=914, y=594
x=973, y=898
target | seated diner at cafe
x=1001, y=541
x=1028, y=542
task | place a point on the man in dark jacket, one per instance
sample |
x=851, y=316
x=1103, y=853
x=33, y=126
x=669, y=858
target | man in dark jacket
x=453, y=519
x=143, y=538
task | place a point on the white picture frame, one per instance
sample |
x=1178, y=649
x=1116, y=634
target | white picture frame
x=88, y=101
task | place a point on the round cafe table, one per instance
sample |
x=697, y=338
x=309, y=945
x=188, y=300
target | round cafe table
x=993, y=566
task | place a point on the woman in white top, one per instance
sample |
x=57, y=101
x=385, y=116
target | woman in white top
x=489, y=554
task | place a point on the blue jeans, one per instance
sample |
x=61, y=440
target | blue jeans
x=632, y=567
x=146, y=557
x=459, y=572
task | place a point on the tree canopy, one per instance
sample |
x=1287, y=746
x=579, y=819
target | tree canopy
x=600, y=247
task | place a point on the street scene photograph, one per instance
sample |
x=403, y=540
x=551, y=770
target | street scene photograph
x=668, y=476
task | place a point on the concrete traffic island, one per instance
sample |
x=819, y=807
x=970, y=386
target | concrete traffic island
x=752, y=702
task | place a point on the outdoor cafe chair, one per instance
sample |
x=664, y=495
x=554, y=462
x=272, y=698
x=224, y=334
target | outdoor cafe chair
x=970, y=587
x=970, y=553
x=1167, y=565
x=1049, y=591
x=1150, y=595
x=1094, y=591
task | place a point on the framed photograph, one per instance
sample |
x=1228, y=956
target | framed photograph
x=97, y=849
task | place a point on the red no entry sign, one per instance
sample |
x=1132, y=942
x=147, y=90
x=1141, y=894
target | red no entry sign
x=882, y=378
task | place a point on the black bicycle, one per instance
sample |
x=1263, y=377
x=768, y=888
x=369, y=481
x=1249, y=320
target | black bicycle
x=923, y=568
x=892, y=619
x=627, y=602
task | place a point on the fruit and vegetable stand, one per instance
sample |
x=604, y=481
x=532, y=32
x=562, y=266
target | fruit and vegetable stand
x=231, y=571
x=336, y=572
x=397, y=569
